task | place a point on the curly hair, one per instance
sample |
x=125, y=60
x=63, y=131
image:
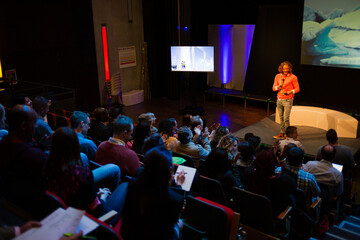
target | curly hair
x=285, y=63
x=227, y=141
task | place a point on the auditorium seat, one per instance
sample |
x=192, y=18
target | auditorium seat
x=208, y=219
x=256, y=212
x=212, y=189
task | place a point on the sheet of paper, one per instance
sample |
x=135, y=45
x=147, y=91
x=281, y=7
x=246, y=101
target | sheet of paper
x=189, y=176
x=86, y=225
x=55, y=225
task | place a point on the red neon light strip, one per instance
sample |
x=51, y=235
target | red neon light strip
x=106, y=56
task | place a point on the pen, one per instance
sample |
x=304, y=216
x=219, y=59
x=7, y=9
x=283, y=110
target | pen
x=83, y=237
x=180, y=172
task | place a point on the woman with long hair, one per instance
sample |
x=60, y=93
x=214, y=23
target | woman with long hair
x=152, y=210
x=74, y=183
x=141, y=132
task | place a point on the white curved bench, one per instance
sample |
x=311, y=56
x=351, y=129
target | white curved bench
x=344, y=124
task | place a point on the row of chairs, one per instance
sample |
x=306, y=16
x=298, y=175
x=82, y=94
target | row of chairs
x=251, y=206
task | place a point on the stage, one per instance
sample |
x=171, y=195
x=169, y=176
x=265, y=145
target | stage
x=311, y=138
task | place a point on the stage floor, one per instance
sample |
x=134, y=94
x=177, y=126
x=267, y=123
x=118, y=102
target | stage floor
x=310, y=137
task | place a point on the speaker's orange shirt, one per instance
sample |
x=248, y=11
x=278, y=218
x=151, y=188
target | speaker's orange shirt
x=289, y=84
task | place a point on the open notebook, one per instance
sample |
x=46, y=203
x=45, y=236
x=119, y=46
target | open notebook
x=189, y=176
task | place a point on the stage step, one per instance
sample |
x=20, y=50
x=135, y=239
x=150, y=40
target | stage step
x=347, y=229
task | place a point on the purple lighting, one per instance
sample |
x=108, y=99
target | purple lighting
x=226, y=53
x=249, y=34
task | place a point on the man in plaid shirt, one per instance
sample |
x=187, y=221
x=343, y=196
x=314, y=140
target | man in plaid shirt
x=305, y=181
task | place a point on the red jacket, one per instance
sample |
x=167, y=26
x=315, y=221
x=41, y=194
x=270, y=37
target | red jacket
x=289, y=84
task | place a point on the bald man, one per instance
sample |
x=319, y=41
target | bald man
x=325, y=173
x=21, y=164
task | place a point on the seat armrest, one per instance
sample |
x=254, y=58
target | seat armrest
x=316, y=203
x=235, y=222
x=108, y=216
x=285, y=213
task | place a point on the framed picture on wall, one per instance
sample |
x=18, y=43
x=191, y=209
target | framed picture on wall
x=11, y=76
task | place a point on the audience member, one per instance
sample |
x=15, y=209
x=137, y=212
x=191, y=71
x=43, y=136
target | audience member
x=291, y=137
x=116, y=151
x=148, y=117
x=218, y=134
x=199, y=132
x=80, y=122
x=166, y=130
x=42, y=128
x=187, y=146
x=305, y=181
x=255, y=144
x=343, y=154
x=244, y=167
x=22, y=99
x=152, y=141
x=248, y=135
x=325, y=173
x=229, y=143
x=141, y=132
x=218, y=166
x=74, y=183
x=99, y=131
x=3, y=131
x=175, y=126
x=21, y=164
x=10, y=232
x=279, y=188
x=114, y=112
x=152, y=209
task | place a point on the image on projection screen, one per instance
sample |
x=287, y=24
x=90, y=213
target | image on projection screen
x=192, y=58
x=331, y=33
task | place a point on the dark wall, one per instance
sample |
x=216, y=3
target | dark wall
x=277, y=38
x=51, y=42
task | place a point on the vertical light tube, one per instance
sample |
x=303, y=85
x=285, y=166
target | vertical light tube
x=1, y=74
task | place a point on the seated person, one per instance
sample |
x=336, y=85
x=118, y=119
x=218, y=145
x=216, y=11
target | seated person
x=291, y=137
x=21, y=164
x=279, y=188
x=80, y=122
x=187, y=146
x=343, y=154
x=325, y=173
x=42, y=129
x=116, y=151
x=152, y=209
x=148, y=117
x=74, y=183
x=218, y=134
x=218, y=166
x=166, y=130
x=141, y=132
x=229, y=143
x=244, y=166
x=305, y=181
x=99, y=131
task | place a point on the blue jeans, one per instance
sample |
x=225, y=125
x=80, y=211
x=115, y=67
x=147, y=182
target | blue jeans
x=284, y=108
x=107, y=176
x=116, y=201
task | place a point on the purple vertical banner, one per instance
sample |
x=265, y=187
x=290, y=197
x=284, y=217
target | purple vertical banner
x=226, y=38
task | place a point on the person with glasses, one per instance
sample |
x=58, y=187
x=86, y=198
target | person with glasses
x=286, y=84
x=80, y=122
